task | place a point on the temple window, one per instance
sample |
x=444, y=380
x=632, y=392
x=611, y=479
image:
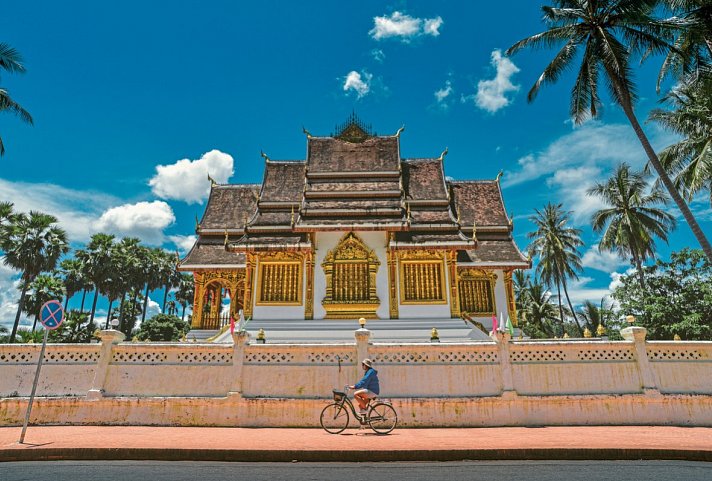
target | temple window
x=477, y=292
x=422, y=281
x=279, y=282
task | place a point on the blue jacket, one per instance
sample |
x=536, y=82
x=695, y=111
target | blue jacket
x=370, y=381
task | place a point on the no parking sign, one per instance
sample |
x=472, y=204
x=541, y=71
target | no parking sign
x=51, y=315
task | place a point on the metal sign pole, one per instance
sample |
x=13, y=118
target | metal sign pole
x=34, y=387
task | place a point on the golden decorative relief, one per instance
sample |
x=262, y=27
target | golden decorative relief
x=208, y=292
x=422, y=277
x=279, y=281
x=392, y=283
x=309, y=301
x=476, y=288
x=454, y=284
x=350, y=270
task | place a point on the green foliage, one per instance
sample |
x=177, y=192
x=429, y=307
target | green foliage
x=163, y=327
x=677, y=298
x=30, y=336
x=11, y=62
x=76, y=328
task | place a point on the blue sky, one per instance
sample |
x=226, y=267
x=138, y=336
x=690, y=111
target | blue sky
x=118, y=89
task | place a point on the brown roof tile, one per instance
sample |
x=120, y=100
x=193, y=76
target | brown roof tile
x=377, y=154
x=229, y=205
x=210, y=251
x=500, y=252
x=480, y=202
x=424, y=179
x=283, y=182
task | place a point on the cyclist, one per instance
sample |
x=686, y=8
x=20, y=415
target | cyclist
x=367, y=388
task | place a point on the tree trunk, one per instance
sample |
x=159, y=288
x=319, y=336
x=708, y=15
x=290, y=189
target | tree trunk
x=34, y=323
x=182, y=317
x=121, y=311
x=84, y=296
x=66, y=301
x=93, y=305
x=145, y=305
x=19, y=312
x=573, y=313
x=165, y=297
x=627, y=106
x=108, y=315
x=639, y=268
x=561, y=308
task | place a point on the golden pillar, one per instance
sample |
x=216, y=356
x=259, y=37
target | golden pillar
x=309, y=298
x=392, y=283
x=452, y=274
x=198, y=294
x=511, y=300
x=249, y=281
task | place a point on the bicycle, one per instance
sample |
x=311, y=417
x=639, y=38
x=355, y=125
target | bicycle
x=381, y=416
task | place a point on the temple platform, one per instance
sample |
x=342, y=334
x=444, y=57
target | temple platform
x=328, y=331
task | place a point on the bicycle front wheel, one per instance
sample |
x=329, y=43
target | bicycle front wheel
x=334, y=418
x=382, y=418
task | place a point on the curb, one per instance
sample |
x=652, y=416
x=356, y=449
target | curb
x=234, y=455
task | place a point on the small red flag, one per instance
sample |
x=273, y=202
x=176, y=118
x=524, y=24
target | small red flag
x=494, y=323
x=232, y=325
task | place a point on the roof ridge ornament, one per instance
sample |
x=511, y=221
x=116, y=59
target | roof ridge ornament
x=442, y=156
x=400, y=131
x=264, y=156
x=499, y=176
x=474, y=231
x=212, y=181
x=354, y=130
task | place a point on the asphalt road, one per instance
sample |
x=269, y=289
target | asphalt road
x=451, y=471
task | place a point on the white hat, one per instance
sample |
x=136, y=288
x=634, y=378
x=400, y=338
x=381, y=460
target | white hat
x=367, y=362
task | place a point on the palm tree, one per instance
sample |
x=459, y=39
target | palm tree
x=692, y=20
x=152, y=278
x=126, y=253
x=168, y=272
x=689, y=160
x=594, y=315
x=72, y=273
x=609, y=33
x=556, y=246
x=33, y=244
x=630, y=221
x=45, y=287
x=186, y=291
x=97, y=264
x=11, y=62
x=538, y=313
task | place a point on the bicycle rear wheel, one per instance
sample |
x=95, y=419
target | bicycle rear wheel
x=382, y=418
x=334, y=418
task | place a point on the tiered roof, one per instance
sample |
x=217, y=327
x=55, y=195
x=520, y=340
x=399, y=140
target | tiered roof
x=356, y=180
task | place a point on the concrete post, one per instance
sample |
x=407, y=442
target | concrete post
x=109, y=338
x=502, y=339
x=363, y=336
x=240, y=339
x=637, y=335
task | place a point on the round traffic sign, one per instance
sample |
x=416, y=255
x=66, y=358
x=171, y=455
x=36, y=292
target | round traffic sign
x=51, y=314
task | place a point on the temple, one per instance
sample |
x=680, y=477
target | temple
x=354, y=231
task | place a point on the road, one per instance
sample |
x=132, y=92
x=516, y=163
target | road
x=451, y=471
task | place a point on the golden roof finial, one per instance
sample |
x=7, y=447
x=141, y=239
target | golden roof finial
x=442, y=156
x=212, y=181
x=499, y=176
x=292, y=219
x=306, y=132
x=407, y=213
x=226, y=237
x=511, y=220
x=400, y=131
x=458, y=214
x=264, y=156
x=474, y=231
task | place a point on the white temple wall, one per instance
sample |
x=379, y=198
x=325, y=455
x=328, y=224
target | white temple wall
x=277, y=312
x=325, y=241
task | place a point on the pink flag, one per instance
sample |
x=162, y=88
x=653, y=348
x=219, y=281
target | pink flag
x=232, y=325
x=494, y=323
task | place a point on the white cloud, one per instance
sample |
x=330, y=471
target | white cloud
x=187, y=180
x=580, y=290
x=75, y=210
x=9, y=295
x=604, y=261
x=145, y=220
x=378, y=55
x=183, y=242
x=445, y=92
x=404, y=27
x=492, y=94
x=358, y=82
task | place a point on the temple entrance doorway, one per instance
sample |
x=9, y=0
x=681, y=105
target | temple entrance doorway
x=220, y=302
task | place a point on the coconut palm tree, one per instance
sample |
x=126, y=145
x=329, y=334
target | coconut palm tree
x=72, y=273
x=186, y=291
x=538, y=313
x=594, y=315
x=606, y=34
x=11, y=62
x=126, y=253
x=630, y=220
x=689, y=160
x=33, y=243
x=556, y=246
x=153, y=275
x=45, y=287
x=692, y=21
x=96, y=259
